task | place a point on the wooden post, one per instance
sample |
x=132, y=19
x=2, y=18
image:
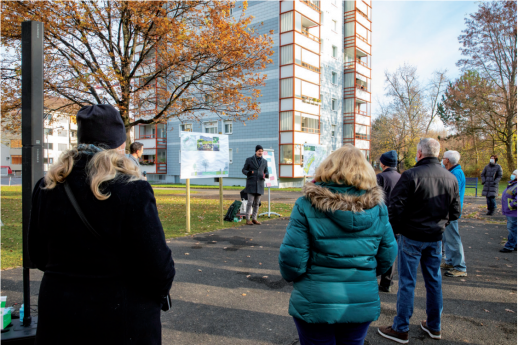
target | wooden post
x=221, y=199
x=188, y=204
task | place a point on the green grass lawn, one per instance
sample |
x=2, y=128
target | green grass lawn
x=195, y=186
x=171, y=209
x=471, y=191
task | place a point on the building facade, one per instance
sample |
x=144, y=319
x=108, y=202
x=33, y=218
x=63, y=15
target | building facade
x=317, y=89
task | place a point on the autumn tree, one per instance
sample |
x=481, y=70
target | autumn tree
x=153, y=60
x=489, y=44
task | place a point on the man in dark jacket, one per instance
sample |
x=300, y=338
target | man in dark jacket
x=387, y=180
x=424, y=201
x=256, y=171
x=491, y=176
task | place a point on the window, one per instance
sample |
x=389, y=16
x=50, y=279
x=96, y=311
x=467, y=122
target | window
x=322, y=18
x=230, y=155
x=321, y=45
x=333, y=104
x=348, y=131
x=48, y=161
x=333, y=129
x=211, y=127
x=16, y=143
x=286, y=121
x=287, y=54
x=49, y=146
x=73, y=134
x=7, y=158
x=161, y=130
x=208, y=98
x=309, y=125
x=16, y=159
x=335, y=26
x=228, y=127
x=334, y=77
x=286, y=154
x=62, y=147
x=287, y=87
x=49, y=131
x=63, y=133
x=186, y=127
x=231, y=11
x=298, y=154
x=161, y=177
x=335, y=52
x=286, y=22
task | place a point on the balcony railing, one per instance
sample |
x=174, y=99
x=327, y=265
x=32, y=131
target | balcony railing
x=161, y=168
x=310, y=130
x=363, y=136
x=161, y=143
x=307, y=34
x=310, y=67
x=312, y=5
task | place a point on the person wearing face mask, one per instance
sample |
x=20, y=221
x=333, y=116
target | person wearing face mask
x=387, y=180
x=509, y=210
x=491, y=176
x=454, y=262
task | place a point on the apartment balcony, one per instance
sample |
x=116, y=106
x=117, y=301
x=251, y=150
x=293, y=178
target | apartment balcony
x=306, y=41
x=363, y=20
x=304, y=7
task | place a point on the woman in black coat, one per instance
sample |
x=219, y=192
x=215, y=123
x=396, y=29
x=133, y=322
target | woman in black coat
x=491, y=176
x=106, y=291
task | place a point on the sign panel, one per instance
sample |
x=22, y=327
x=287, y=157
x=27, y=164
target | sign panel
x=313, y=156
x=272, y=169
x=204, y=155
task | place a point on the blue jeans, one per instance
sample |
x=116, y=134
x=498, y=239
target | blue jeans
x=334, y=334
x=453, y=247
x=511, y=237
x=491, y=203
x=410, y=254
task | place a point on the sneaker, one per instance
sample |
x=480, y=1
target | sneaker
x=446, y=266
x=384, y=288
x=455, y=273
x=432, y=334
x=506, y=250
x=389, y=333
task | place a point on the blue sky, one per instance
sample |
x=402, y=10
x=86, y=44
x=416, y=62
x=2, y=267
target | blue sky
x=421, y=33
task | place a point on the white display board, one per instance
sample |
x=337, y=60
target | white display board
x=313, y=155
x=272, y=169
x=204, y=155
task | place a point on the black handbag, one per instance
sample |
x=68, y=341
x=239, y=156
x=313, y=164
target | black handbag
x=166, y=300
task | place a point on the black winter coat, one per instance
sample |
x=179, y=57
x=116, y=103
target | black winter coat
x=387, y=180
x=491, y=176
x=425, y=199
x=93, y=293
x=255, y=175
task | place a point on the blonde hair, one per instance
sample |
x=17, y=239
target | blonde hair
x=347, y=165
x=104, y=166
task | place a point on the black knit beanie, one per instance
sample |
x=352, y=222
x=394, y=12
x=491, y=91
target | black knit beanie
x=258, y=147
x=100, y=125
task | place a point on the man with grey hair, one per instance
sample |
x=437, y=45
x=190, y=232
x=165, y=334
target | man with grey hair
x=454, y=262
x=423, y=202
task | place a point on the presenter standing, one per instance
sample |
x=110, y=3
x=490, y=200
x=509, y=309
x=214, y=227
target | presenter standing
x=256, y=171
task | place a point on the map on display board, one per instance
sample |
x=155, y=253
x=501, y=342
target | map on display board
x=204, y=155
x=272, y=170
x=313, y=156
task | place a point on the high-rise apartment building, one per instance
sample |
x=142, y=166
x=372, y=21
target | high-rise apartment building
x=317, y=91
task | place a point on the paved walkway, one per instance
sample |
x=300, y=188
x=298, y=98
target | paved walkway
x=228, y=290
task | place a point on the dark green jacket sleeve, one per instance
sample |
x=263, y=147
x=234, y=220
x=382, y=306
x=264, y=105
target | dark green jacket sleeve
x=294, y=252
x=387, y=249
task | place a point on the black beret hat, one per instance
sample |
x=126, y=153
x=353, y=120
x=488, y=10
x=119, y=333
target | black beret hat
x=100, y=125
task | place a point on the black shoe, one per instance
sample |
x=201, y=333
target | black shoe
x=384, y=288
x=490, y=213
x=505, y=250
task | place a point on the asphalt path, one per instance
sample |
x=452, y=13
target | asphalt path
x=228, y=290
x=15, y=181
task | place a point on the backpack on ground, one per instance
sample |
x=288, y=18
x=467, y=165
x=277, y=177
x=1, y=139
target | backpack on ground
x=232, y=211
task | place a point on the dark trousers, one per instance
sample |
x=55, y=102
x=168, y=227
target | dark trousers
x=335, y=334
x=386, y=278
x=491, y=203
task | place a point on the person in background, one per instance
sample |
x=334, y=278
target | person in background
x=136, y=151
x=387, y=180
x=454, y=262
x=491, y=176
x=424, y=201
x=337, y=241
x=256, y=171
x=509, y=210
x=105, y=289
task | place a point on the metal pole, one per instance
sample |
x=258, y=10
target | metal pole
x=269, y=213
x=188, y=204
x=221, y=199
x=9, y=181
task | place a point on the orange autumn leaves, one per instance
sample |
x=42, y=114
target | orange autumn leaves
x=153, y=60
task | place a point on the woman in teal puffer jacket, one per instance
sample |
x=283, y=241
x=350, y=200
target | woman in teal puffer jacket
x=338, y=240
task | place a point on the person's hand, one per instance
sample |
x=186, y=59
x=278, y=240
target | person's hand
x=252, y=172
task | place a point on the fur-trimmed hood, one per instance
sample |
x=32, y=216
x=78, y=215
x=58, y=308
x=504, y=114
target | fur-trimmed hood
x=325, y=200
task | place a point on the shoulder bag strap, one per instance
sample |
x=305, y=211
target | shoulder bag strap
x=80, y=213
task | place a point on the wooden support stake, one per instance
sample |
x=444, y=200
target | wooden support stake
x=221, y=199
x=188, y=204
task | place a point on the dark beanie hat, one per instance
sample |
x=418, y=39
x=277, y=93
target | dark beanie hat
x=100, y=125
x=389, y=158
x=258, y=147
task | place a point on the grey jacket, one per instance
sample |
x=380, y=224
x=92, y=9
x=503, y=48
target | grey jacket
x=134, y=160
x=491, y=176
